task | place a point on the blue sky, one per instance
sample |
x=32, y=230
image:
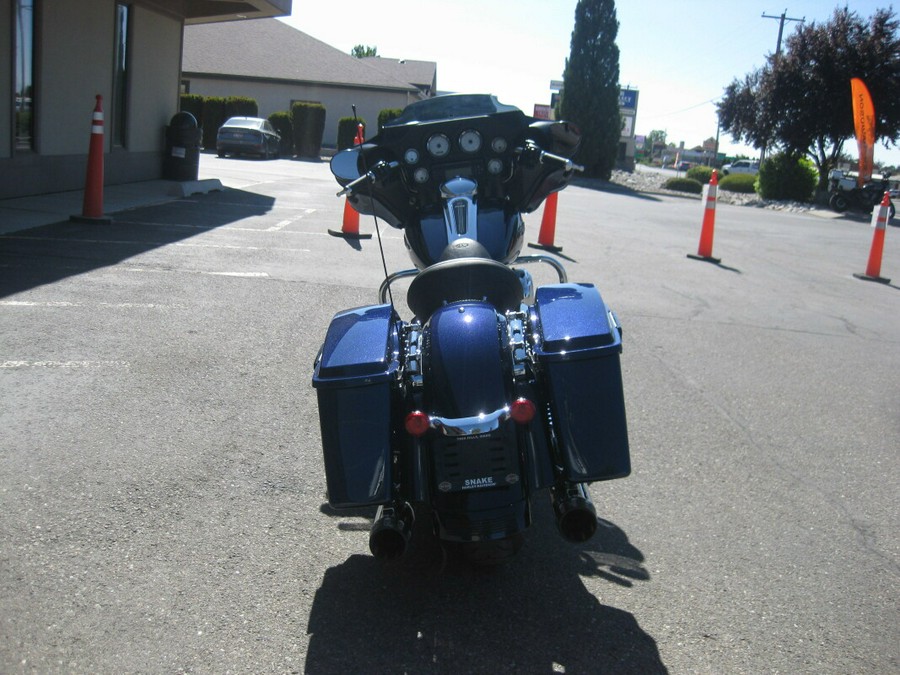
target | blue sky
x=679, y=55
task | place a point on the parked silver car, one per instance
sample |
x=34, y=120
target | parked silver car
x=741, y=166
x=248, y=136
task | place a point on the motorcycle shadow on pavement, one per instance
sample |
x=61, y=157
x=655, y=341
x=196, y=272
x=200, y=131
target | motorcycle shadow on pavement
x=431, y=612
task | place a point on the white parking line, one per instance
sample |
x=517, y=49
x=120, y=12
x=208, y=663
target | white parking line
x=243, y=275
x=158, y=243
x=64, y=364
x=112, y=305
x=278, y=226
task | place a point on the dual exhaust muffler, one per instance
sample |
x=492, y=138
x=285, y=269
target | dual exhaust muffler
x=576, y=519
x=391, y=531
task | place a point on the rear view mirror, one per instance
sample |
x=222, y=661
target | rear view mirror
x=344, y=165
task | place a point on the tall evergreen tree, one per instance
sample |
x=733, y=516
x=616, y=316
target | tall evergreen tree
x=590, y=96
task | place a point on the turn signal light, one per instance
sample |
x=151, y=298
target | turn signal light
x=522, y=411
x=417, y=423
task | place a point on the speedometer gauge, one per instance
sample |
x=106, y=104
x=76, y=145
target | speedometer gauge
x=438, y=145
x=470, y=141
x=411, y=156
x=499, y=144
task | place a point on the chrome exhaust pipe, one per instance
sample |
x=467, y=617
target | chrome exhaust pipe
x=576, y=517
x=391, y=531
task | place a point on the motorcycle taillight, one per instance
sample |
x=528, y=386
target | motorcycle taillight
x=522, y=411
x=417, y=423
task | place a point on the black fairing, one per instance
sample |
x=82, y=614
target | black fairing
x=509, y=183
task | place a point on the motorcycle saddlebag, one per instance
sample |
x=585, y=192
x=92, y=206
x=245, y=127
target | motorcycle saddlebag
x=352, y=378
x=579, y=349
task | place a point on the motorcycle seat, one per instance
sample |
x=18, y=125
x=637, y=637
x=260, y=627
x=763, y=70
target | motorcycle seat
x=459, y=279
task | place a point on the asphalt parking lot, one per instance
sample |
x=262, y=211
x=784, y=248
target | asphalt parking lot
x=162, y=489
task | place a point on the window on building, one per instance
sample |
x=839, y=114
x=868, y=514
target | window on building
x=120, y=75
x=23, y=41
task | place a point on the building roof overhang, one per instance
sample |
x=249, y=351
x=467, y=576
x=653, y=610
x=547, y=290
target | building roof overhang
x=211, y=11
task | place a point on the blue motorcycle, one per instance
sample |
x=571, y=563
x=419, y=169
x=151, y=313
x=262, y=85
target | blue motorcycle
x=492, y=391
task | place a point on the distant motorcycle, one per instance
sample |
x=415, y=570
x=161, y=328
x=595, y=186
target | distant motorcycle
x=846, y=194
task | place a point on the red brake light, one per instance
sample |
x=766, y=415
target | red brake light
x=417, y=423
x=522, y=411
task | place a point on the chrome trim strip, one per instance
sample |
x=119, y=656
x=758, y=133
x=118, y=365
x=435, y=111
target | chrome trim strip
x=460, y=211
x=470, y=426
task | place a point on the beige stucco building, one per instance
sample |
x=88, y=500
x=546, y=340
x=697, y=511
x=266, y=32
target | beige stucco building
x=277, y=65
x=57, y=55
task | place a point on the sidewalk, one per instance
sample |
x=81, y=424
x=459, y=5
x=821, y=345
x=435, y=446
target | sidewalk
x=21, y=213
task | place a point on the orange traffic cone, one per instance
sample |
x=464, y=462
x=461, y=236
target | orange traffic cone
x=704, y=250
x=350, y=227
x=92, y=206
x=879, y=222
x=548, y=225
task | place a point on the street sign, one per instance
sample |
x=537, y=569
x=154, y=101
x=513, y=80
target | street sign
x=542, y=112
x=628, y=99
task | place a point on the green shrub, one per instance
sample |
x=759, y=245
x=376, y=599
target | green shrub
x=308, y=121
x=213, y=118
x=387, y=115
x=738, y=182
x=701, y=174
x=684, y=185
x=788, y=177
x=192, y=103
x=241, y=106
x=216, y=110
x=347, y=131
x=282, y=122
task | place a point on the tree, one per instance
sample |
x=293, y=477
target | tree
x=800, y=101
x=656, y=136
x=362, y=51
x=590, y=96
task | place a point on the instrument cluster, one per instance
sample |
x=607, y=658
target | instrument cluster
x=468, y=150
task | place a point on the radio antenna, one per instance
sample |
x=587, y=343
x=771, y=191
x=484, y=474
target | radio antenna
x=374, y=217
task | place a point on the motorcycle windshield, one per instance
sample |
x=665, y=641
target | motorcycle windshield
x=451, y=106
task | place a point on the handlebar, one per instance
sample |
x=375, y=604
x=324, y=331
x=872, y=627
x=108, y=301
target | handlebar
x=542, y=156
x=377, y=172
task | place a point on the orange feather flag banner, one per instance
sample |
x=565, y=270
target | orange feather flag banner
x=864, y=125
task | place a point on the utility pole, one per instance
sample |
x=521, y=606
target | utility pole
x=784, y=17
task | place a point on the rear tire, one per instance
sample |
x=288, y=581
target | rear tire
x=838, y=202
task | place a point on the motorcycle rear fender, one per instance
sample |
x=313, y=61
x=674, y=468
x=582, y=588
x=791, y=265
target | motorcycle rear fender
x=466, y=370
x=479, y=490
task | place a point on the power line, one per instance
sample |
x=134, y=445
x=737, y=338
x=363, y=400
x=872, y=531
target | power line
x=691, y=107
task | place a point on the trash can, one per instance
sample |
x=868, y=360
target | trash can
x=182, y=158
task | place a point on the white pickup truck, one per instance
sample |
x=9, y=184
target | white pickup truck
x=741, y=166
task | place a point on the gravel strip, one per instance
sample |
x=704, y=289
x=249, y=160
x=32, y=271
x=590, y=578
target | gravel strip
x=653, y=182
